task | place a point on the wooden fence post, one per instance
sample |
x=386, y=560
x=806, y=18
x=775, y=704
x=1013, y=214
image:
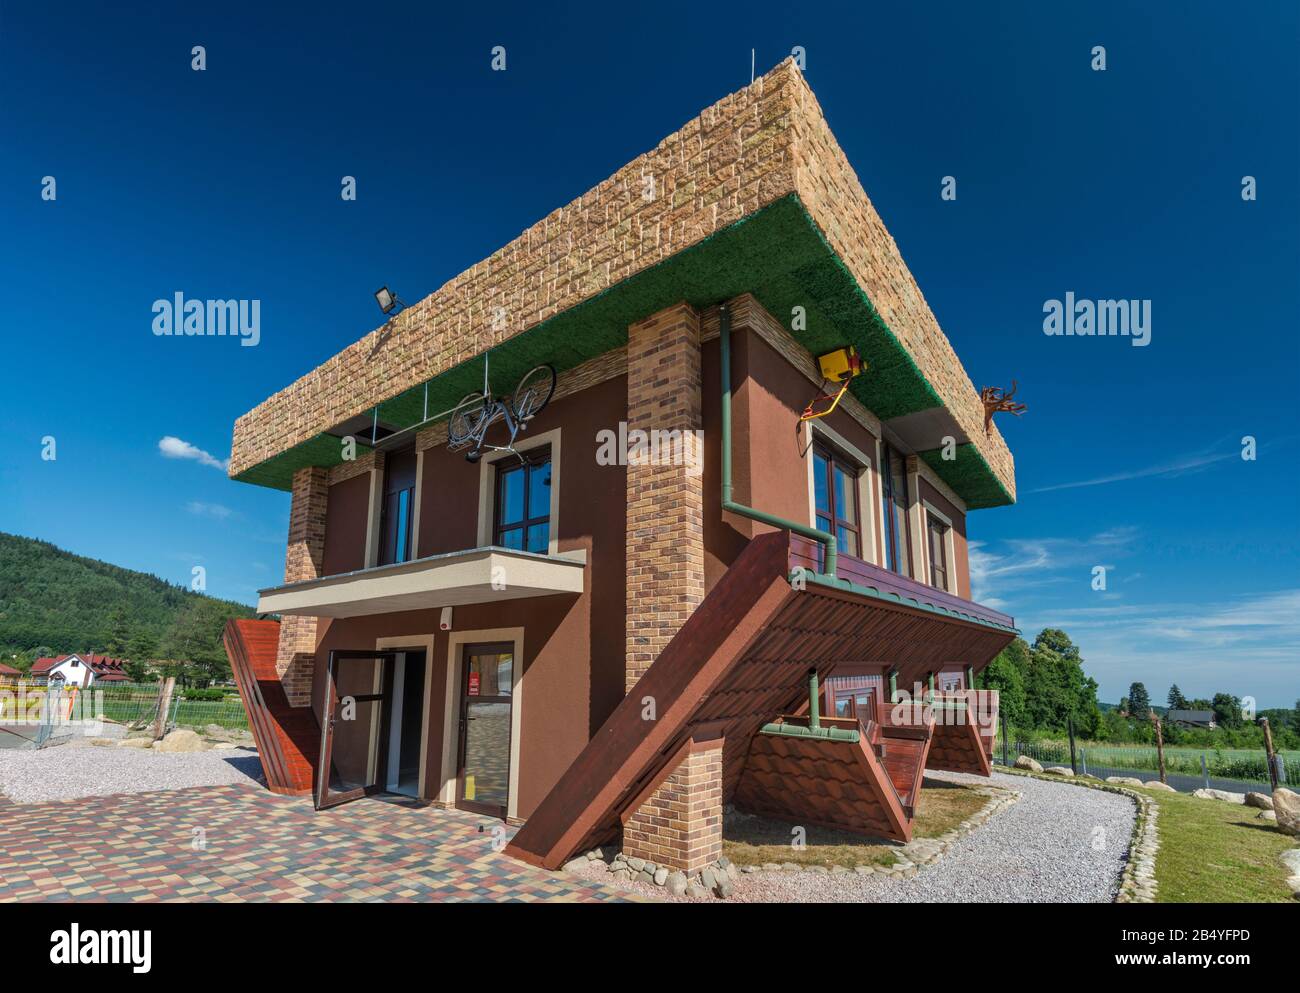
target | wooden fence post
x=1069, y=727
x=1268, y=752
x=1160, y=745
x=164, y=705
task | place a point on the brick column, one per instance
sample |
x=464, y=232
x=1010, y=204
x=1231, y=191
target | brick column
x=679, y=824
x=665, y=492
x=296, y=658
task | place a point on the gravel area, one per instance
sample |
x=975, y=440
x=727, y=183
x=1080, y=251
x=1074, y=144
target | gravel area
x=79, y=769
x=1059, y=844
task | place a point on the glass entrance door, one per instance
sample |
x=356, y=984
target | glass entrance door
x=354, y=745
x=486, y=685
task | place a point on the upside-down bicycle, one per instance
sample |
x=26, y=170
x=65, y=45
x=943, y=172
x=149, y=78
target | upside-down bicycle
x=471, y=418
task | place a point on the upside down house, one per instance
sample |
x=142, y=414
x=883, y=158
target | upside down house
x=699, y=541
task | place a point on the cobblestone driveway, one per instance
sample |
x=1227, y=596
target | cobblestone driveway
x=240, y=843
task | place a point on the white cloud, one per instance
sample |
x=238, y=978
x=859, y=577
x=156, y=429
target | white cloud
x=1188, y=463
x=213, y=510
x=174, y=448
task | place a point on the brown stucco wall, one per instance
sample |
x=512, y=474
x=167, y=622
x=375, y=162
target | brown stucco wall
x=769, y=467
x=345, y=525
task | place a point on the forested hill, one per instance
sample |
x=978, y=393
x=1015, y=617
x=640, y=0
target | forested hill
x=52, y=601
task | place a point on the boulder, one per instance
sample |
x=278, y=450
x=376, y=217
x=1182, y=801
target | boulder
x=696, y=892
x=1223, y=795
x=1125, y=781
x=1261, y=800
x=135, y=743
x=103, y=742
x=1059, y=770
x=1286, y=804
x=661, y=876
x=1291, y=859
x=1266, y=815
x=1025, y=762
x=215, y=731
x=575, y=865
x=676, y=883
x=182, y=740
x=1155, y=784
x=724, y=887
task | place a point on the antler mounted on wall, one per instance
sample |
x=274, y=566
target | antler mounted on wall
x=996, y=400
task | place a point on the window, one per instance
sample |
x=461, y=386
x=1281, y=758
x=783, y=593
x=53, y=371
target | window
x=835, y=497
x=397, y=508
x=523, y=502
x=74, y=664
x=893, y=478
x=937, y=536
x=950, y=682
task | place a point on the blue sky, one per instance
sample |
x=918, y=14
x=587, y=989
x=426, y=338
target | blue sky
x=1117, y=184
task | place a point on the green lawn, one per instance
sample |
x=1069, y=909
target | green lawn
x=1217, y=852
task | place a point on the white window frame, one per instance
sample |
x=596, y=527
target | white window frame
x=865, y=473
x=949, y=547
x=487, y=487
x=456, y=642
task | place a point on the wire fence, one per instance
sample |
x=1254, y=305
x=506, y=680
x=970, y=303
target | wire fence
x=1186, y=768
x=137, y=703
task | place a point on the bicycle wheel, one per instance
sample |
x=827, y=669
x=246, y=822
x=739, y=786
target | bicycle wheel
x=533, y=393
x=465, y=419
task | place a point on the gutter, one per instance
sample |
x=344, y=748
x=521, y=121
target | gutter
x=825, y=538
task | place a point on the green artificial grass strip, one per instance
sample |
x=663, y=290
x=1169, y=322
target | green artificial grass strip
x=776, y=253
x=969, y=476
x=277, y=472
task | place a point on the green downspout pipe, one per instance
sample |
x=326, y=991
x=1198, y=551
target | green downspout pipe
x=970, y=677
x=930, y=681
x=729, y=506
x=814, y=702
x=893, y=686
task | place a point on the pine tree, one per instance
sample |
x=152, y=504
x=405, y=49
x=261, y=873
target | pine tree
x=1176, y=699
x=1139, y=703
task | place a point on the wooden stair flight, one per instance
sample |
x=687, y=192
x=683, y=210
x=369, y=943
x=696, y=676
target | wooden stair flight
x=287, y=737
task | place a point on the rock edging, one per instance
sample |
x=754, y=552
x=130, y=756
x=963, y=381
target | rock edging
x=718, y=877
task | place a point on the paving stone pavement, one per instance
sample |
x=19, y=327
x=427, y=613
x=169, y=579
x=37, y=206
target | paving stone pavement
x=240, y=843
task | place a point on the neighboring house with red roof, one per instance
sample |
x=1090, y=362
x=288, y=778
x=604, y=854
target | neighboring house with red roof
x=80, y=670
x=9, y=671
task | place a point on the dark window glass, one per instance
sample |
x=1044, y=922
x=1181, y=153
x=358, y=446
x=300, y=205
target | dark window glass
x=397, y=507
x=835, y=494
x=938, y=532
x=523, y=509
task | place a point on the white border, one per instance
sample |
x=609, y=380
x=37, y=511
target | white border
x=949, y=548
x=487, y=496
x=426, y=642
x=457, y=640
x=866, y=525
